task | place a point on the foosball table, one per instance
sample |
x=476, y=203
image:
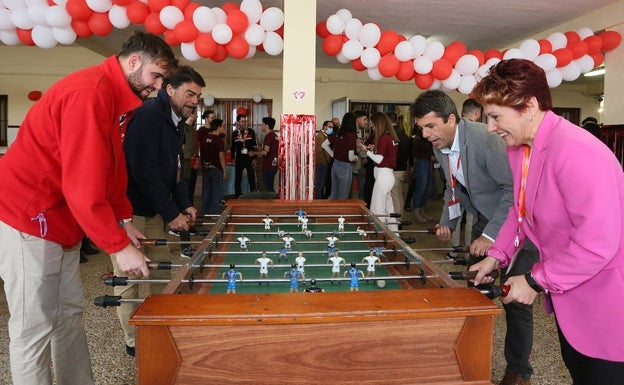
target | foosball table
x=223, y=319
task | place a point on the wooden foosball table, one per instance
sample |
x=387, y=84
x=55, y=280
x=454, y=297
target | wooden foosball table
x=421, y=327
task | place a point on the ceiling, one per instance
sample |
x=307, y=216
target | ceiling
x=480, y=24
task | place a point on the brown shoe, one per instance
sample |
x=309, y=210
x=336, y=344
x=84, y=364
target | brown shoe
x=513, y=379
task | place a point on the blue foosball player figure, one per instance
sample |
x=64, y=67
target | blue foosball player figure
x=231, y=275
x=355, y=274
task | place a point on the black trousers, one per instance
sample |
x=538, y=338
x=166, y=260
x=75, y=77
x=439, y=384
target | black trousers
x=244, y=164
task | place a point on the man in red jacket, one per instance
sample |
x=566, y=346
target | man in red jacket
x=65, y=175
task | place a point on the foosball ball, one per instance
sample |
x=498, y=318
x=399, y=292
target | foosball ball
x=308, y=292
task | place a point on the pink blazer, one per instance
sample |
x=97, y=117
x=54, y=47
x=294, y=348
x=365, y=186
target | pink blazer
x=575, y=204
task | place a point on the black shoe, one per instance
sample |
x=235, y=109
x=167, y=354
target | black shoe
x=174, y=233
x=192, y=230
x=187, y=252
x=130, y=350
x=83, y=258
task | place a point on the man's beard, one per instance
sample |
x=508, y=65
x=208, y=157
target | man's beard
x=136, y=84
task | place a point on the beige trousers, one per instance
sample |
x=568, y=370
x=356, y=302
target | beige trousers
x=151, y=227
x=44, y=294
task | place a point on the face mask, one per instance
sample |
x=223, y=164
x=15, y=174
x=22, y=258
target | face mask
x=329, y=131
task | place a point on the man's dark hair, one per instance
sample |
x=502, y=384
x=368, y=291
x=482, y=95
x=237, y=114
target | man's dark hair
x=393, y=117
x=206, y=113
x=239, y=116
x=470, y=105
x=151, y=46
x=269, y=121
x=359, y=113
x=216, y=123
x=434, y=101
x=184, y=74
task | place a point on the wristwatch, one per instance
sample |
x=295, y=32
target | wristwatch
x=124, y=221
x=531, y=281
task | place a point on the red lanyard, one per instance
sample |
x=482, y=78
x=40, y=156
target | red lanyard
x=526, y=160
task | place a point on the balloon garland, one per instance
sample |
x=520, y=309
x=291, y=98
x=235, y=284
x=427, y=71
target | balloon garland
x=431, y=65
x=200, y=31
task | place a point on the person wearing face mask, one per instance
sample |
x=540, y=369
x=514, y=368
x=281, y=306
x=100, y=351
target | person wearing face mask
x=323, y=159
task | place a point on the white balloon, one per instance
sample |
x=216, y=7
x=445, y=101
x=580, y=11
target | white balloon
x=584, y=32
x=5, y=20
x=21, y=19
x=404, y=51
x=546, y=61
x=374, y=74
x=252, y=52
x=189, y=52
x=352, y=49
x=222, y=33
x=271, y=19
x=570, y=72
x=437, y=84
x=32, y=3
x=467, y=64
x=340, y=57
x=118, y=17
x=254, y=34
x=483, y=71
x=170, y=16
x=219, y=14
x=586, y=63
x=466, y=84
x=434, y=50
x=42, y=36
x=557, y=40
x=14, y=4
x=352, y=29
x=370, y=57
x=452, y=81
x=554, y=78
x=419, y=43
x=37, y=13
x=513, y=53
x=64, y=35
x=530, y=49
x=344, y=14
x=335, y=25
x=492, y=61
x=423, y=65
x=57, y=16
x=9, y=37
x=204, y=19
x=208, y=100
x=369, y=35
x=99, y=5
x=60, y=2
x=253, y=10
x=273, y=43
x=257, y=98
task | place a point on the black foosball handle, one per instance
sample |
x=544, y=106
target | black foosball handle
x=116, y=281
x=107, y=300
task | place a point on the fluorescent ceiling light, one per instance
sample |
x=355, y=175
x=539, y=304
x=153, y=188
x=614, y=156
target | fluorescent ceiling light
x=596, y=72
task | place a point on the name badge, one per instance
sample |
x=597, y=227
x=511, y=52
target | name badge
x=454, y=207
x=244, y=151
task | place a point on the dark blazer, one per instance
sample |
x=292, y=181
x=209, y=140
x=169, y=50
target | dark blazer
x=153, y=147
x=488, y=176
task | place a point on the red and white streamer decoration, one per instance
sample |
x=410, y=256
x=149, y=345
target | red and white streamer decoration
x=431, y=65
x=200, y=31
x=296, y=157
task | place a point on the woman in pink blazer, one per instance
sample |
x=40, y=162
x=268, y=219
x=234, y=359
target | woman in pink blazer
x=568, y=200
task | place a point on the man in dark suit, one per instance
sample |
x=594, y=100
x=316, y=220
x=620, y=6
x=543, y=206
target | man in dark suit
x=479, y=180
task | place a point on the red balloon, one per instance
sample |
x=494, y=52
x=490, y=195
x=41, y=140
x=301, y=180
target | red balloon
x=321, y=29
x=137, y=12
x=220, y=54
x=423, y=81
x=25, y=36
x=51, y=3
x=610, y=40
x=153, y=25
x=81, y=27
x=357, y=65
x=238, y=47
x=229, y=7
x=388, y=65
x=564, y=56
x=157, y=5
x=545, y=46
x=171, y=38
x=186, y=31
x=238, y=21
x=442, y=69
x=594, y=43
x=189, y=10
x=492, y=53
x=280, y=31
x=34, y=95
x=332, y=45
x=241, y=111
x=578, y=48
x=121, y=3
x=78, y=9
x=100, y=24
x=454, y=51
x=406, y=70
x=205, y=45
x=572, y=37
x=181, y=4
x=387, y=42
x=598, y=58
x=479, y=55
